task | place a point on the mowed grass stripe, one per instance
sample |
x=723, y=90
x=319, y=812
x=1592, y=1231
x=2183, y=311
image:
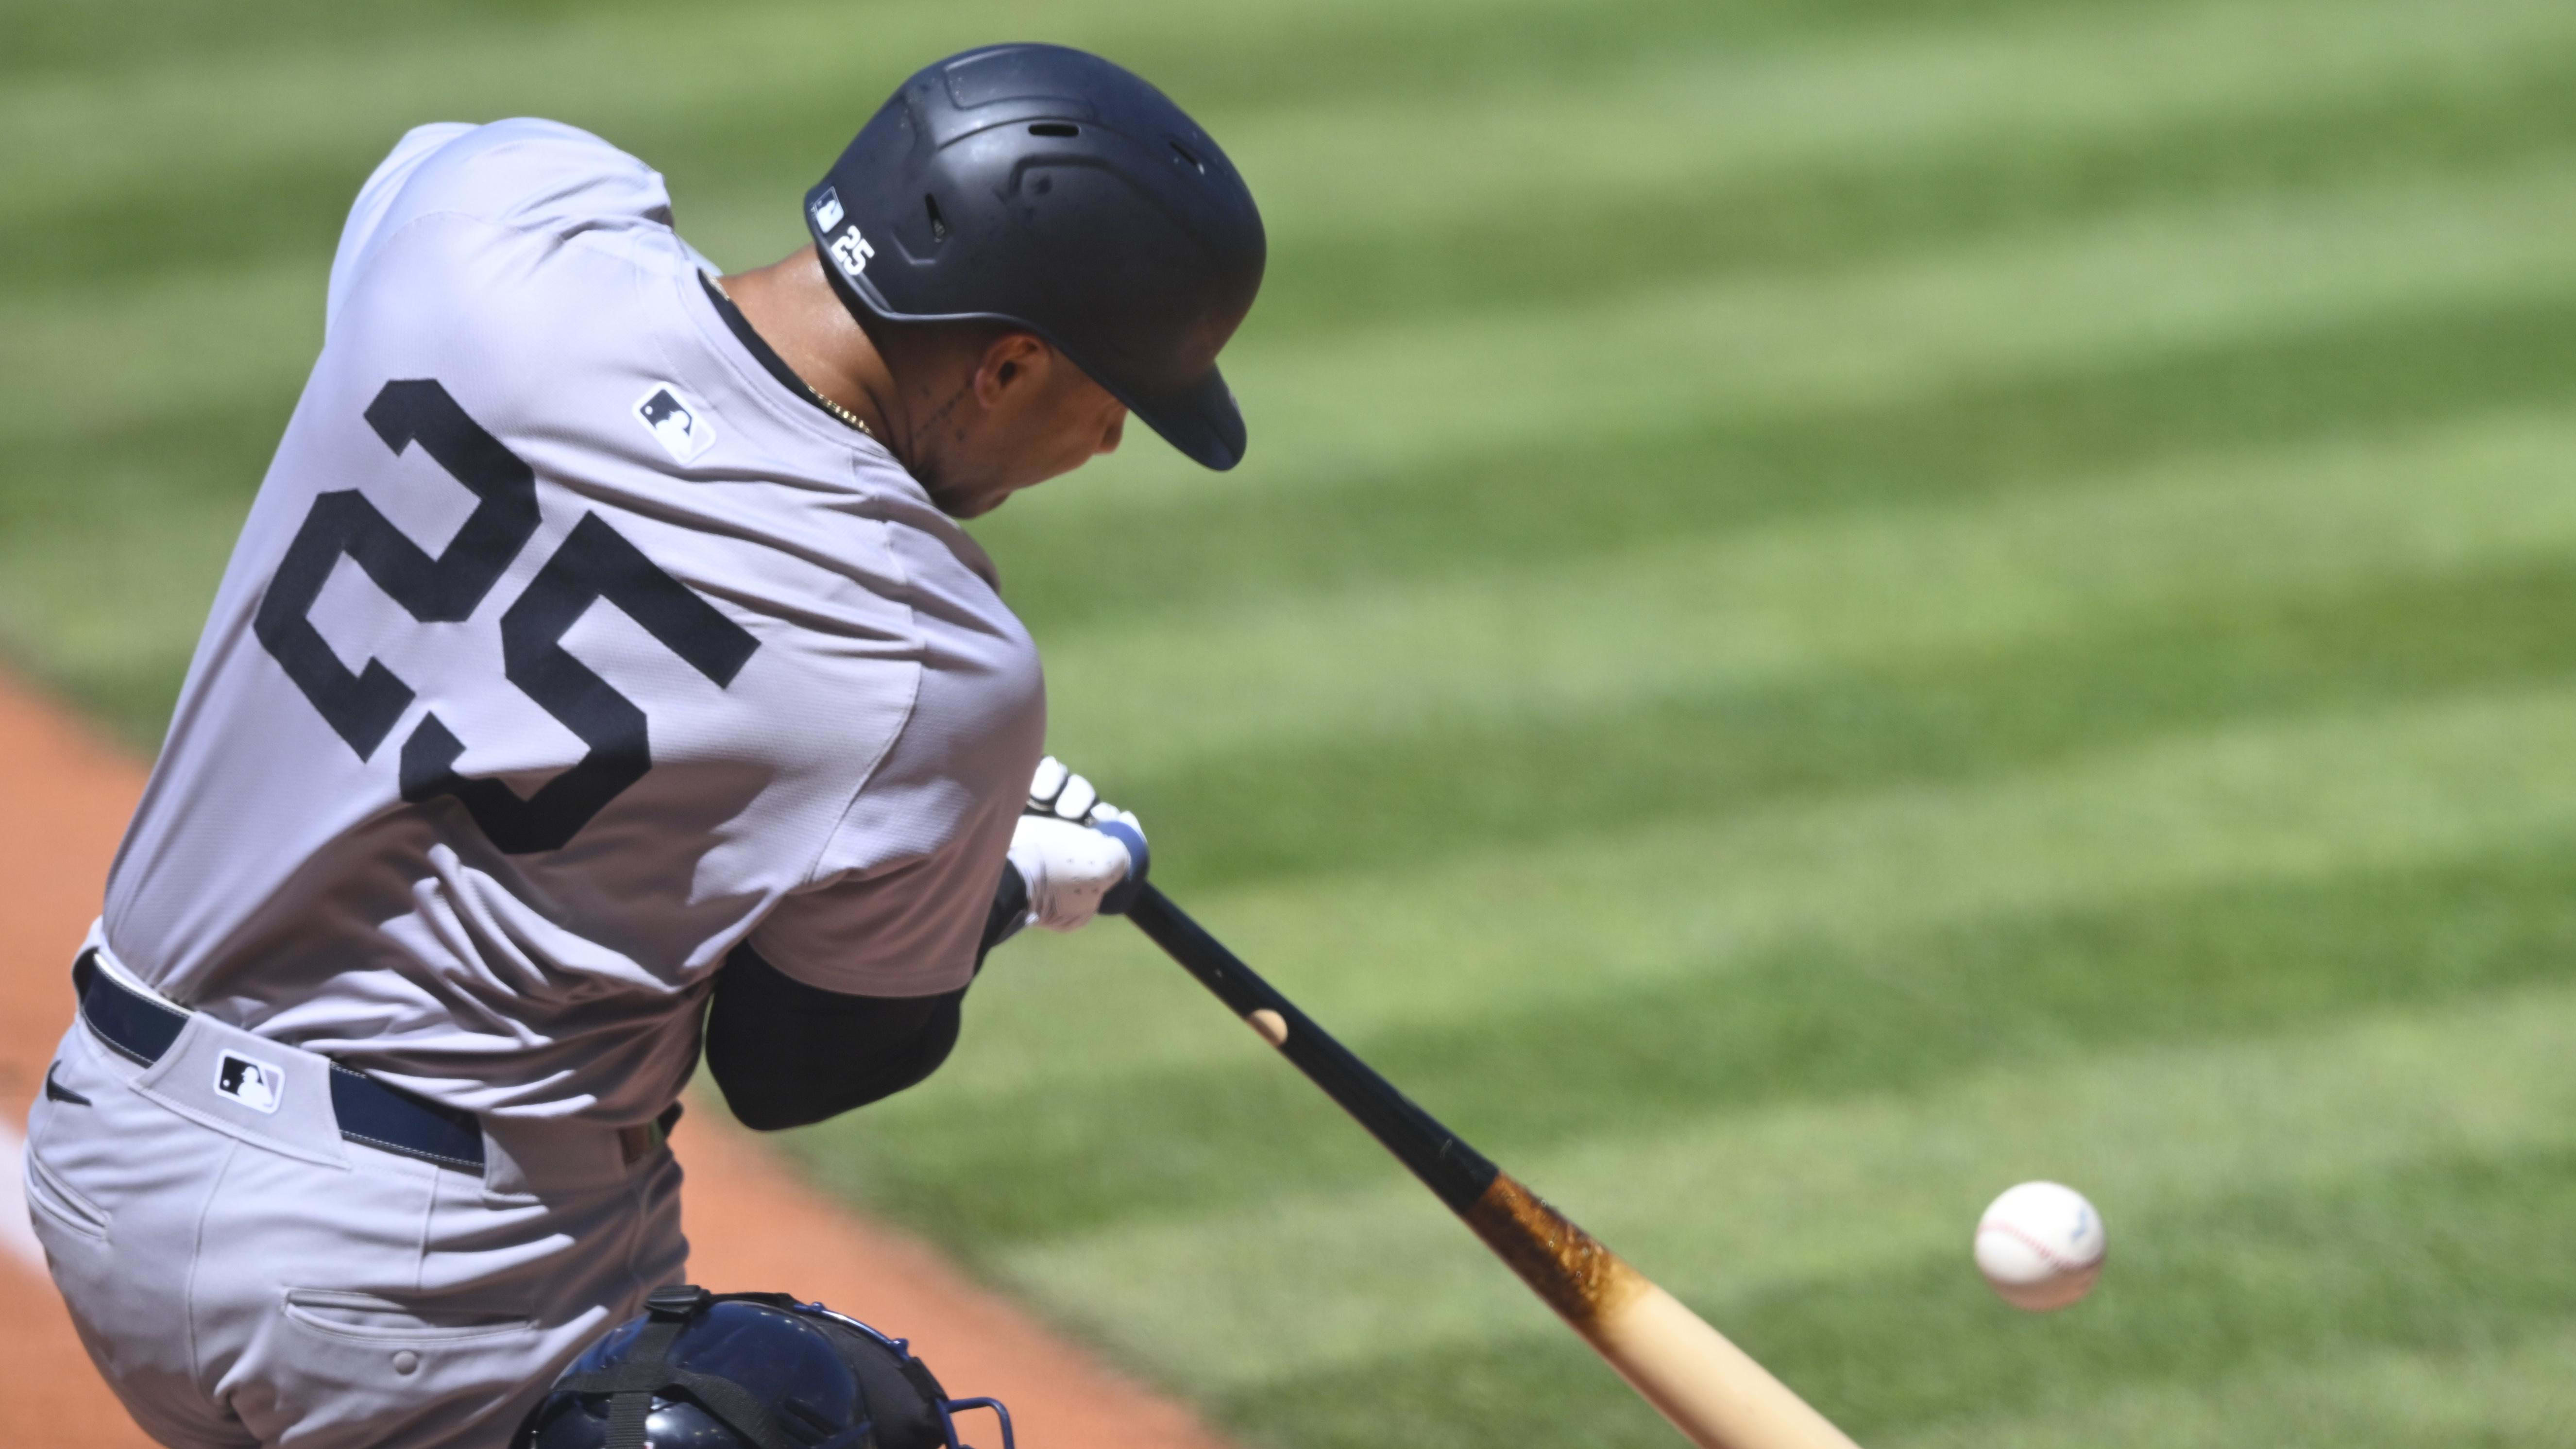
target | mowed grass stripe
x=2512, y=1393
x=1804, y=1019
x=1692, y=117
x=94, y=130
x=1482, y=509
x=2294, y=799
x=1747, y=1215
x=1474, y=940
x=1698, y=109
x=87, y=366
x=1592, y=239
x=1111, y=554
x=101, y=356
x=1222, y=546
x=1395, y=799
x=2442, y=1253
x=2278, y=1283
x=1849, y=141
x=146, y=522
x=87, y=362
x=1265, y=52
x=97, y=129
x=151, y=345
x=1732, y=610
x=1414, y=392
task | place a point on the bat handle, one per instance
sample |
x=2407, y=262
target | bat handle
x=1454, y=1171
x=1140, y=859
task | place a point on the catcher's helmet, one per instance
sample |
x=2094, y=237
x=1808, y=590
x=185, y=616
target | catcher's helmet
x=1050, y=190
x=704, y=1370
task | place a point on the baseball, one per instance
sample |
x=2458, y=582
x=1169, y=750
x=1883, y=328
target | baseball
x=2040, y=1246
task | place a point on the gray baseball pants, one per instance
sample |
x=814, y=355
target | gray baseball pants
x=251, y=1278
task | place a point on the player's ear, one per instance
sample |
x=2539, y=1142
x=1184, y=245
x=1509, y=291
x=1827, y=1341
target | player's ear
x=1011, y=361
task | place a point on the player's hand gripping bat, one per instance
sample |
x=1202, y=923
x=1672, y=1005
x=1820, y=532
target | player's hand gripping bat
x=1707, y=1386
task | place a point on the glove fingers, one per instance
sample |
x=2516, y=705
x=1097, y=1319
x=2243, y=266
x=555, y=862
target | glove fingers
x=1076, y=799
x=1068, y=864
x=1047, y=783
x=1067, y=867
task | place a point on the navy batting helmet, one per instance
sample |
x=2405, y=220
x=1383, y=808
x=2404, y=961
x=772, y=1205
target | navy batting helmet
x=705, y=1370
x=1047, y=189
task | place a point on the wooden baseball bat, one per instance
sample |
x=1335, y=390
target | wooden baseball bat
x=1711, y=1390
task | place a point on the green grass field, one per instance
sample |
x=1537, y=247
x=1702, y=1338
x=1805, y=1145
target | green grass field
x=1833, y=606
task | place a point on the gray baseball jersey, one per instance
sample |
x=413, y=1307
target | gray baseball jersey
x=565, y=649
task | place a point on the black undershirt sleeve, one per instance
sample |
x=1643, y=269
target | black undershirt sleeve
x=788, y=1054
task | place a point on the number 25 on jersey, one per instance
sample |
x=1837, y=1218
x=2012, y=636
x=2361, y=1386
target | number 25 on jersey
x=594, y=562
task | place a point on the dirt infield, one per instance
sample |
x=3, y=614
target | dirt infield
x=750, y=1225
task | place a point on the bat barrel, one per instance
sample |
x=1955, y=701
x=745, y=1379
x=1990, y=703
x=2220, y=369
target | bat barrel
x=1712, y=1391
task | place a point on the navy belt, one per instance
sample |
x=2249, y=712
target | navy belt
x=368, y=1111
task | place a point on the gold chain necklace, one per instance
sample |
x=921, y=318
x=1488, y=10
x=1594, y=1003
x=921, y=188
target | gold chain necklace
x=810, y=391
x=836, y=410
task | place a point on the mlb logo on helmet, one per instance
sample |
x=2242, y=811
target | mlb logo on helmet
x=674, y=424
x=251, y=1082
x=850, y=249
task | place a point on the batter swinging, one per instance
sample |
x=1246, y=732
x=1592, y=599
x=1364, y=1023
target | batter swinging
x=602, y=657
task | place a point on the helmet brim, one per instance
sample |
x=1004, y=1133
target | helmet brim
x=1202, y=421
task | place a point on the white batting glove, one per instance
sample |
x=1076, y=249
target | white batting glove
x=1064, y=854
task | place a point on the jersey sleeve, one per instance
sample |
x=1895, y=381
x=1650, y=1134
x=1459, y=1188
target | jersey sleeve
x=367, y=216
x=526, y=174
x=908, y=931
x=899, y=900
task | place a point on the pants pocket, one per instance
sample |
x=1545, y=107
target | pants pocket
x=348, y=1369
x=371, y=1318
x=49, y=1195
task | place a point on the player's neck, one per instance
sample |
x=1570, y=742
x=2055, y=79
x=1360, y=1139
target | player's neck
x=793, y=308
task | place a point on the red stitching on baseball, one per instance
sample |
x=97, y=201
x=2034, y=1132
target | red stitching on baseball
x=2047, y=1254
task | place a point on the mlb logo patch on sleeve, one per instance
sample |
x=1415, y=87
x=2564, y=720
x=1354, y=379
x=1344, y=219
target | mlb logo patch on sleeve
x=681, y=429
x=247, y=1080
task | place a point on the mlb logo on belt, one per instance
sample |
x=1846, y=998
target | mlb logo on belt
x=248, y=1080
x=681, y=430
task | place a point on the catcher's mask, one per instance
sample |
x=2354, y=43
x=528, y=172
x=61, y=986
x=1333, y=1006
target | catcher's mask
x=705, y=1370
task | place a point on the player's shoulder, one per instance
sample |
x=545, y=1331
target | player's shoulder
x=525, y=175
x=541, y=181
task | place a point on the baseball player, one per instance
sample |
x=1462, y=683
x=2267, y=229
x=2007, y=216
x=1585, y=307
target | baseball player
x=602, y=672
